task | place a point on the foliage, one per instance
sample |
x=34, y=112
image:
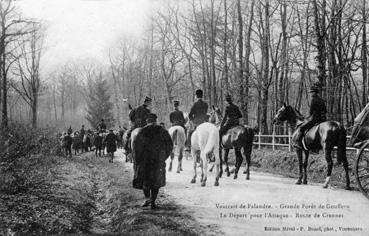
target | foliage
x=99, y=105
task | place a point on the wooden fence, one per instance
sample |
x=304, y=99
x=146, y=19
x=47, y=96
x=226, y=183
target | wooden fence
x=274, y=137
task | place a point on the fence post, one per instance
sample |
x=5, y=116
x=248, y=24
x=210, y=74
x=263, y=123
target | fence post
x=357, y=151
x=273, y=142
x=289, y=140
x=259, y=141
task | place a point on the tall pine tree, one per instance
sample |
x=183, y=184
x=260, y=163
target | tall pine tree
x=98, y=104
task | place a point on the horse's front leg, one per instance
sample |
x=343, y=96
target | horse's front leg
x=225, y=158
x=171, y=161
x=239, y=160
x=306, y=161
x=194, y=157
x=328, y=158
x=299, y=156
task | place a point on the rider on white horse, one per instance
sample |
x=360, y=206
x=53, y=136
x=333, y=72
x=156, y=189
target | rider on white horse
x=197, y=115
x=176, y=117
x=138, y=118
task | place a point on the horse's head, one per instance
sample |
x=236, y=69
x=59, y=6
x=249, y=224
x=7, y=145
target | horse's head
x=285, y=113
x=215, y=115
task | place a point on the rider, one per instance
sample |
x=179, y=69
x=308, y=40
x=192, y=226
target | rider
x=176, y=117
x=231, y=116
x=317, y=114
x=70, y=131
x=138, y=118
x=197, y=115
x=82, y=131
x=102, y=126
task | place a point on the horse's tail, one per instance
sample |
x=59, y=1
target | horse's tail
x=213, y=141
x=174, y=136
x=341, y=145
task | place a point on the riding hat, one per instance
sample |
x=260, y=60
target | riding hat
x=199, y=93
x=147, y=100
x=176, y=103
x=151, y=118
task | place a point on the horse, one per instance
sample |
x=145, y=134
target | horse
x=178, y=136
x=130, y=146
x=205, y=139
x=323, y=136
x=237, y=138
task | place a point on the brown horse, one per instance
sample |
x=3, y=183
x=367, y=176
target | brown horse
x=237, y=138
x=323, y=136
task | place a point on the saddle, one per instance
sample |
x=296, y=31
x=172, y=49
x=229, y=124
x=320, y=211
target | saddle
x=229, y=135
x=310, y=139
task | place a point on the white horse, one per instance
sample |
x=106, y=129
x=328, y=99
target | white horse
x=205, y=139
x=178, y=136
x=131, y=143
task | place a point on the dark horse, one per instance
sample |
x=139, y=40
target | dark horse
x=237, y=138
x=323, y=136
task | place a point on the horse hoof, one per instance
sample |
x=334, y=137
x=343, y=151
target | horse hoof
x=298, y=182
x=193, y=181
x=245, y=172
x=348, y=188
x=235, y=177
x=248, y=177
x=216, y=183
x=325, y=186
x=203, y=184
x=178, y=171
x=304, y=182
x=181, y=169
x=228, y=174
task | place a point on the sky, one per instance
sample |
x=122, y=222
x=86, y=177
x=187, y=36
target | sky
x=85, y=29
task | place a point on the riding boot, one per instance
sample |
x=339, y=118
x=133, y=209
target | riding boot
x=147, y=196
x=154, y=195
x=298, y=143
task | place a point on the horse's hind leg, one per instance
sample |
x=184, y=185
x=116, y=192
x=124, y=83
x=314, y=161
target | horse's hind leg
x=305, y=164
x=299, y=156
x=225, y=158
x=239, y=160
x=171, y=161
x=329, y=160
x=345, y=166
x=218, y=165
x=247, y=154
x=180, y=157
x=194, y=157
x=204, y=174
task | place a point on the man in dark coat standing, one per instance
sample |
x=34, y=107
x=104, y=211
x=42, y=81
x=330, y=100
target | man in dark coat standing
x=317, y=114
x=151, y=148
x=102, y=126
x=197, y=115
x=138, y=118
x=111, y=142
x=231, y=117
x=176, y=117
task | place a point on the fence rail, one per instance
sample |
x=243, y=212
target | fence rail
x=275, y=144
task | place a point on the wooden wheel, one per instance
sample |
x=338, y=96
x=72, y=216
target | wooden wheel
x=362, y=170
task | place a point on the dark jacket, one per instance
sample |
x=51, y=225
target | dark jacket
x=318, y=109
x=177, y=118
x=110, y=140
x=98, y=141
x=139, y=115
x=232, y=114
x=151, y=148
x=198, y=113
x=67, y=141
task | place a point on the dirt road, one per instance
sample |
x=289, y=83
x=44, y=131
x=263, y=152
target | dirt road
x=268, y=205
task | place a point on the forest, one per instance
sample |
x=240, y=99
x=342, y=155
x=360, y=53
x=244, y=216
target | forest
x=263, y=52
